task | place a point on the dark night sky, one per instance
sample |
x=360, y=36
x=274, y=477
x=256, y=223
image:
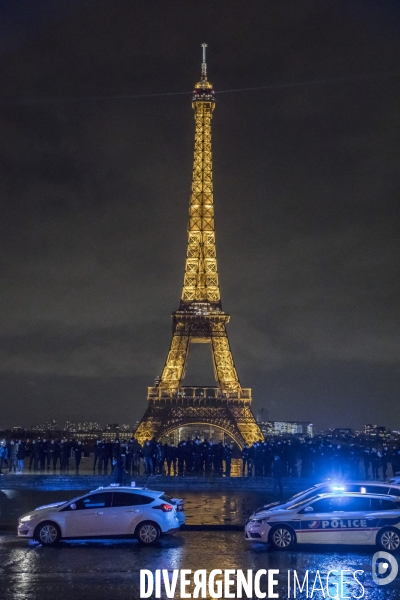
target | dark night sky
x=94, y=197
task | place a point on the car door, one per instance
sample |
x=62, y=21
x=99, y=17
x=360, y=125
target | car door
x=357, y=521
x=128, y=508
x=385, y=512
x=87, y=517
x=322, y=524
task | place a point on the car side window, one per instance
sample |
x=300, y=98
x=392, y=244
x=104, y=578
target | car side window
x=356, y=504
x=377, y=489
x=322, y=505
x=327, y=505
x=382, y=504
x=166, y=498
x=130, y=499
x=94, y=501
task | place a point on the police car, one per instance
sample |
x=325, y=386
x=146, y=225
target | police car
x=330, y=518
x=391, y=487
x=106, y=512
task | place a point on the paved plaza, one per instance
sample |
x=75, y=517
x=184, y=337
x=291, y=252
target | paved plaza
x=110, y=570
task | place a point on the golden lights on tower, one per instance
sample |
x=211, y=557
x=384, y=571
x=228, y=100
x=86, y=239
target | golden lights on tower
x=200, y=318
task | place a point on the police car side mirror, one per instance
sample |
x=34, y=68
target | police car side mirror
x=72, y=506
x=308, y=509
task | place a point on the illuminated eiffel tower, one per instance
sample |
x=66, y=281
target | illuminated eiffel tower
x=200, y=318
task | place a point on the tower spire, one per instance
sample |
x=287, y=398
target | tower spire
x=204, y=64
x=201, y=276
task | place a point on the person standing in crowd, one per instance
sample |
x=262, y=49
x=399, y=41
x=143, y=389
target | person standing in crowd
x=174, y=458
x=181, y=457
x=32, y=447
x=353, y=459
x=116, y=449
x=168, y=457
x=43, y=454
x=245, y=460
x=385, y=459
x=12, y=457
x=219, y=457
x=78, y=451
x=28, y=450
x=205, y=457
x=197, y=461
x=65, y=453
x=103, y=457
x=376, y=456
x=20, y=456
x=119, y=474
x=148, y=458
x=396, y=460
x=277, y=474
x=53, y=454
x=3, y=456
x=36, y=454
x=159, y=457
x=367, y=461
x=134, y=450
x=49, y=450
x=96, y=454
x=128, y=458
x=227, y=459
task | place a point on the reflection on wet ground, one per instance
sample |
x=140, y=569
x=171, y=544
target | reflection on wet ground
x=201, y=508
x=110, y=570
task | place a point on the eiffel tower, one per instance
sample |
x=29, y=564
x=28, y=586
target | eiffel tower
x=200, y=318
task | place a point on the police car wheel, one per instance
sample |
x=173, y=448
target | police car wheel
x=148, y=533
x=389, y=539
x=48, y=533
x=282, y=537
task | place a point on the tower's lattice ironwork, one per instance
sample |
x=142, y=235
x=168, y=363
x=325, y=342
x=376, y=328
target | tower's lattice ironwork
x=200, y=318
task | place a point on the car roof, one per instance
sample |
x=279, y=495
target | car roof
x=125, y=488
x=365, y=482
x=357, y=495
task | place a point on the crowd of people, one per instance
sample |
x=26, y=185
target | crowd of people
x=275, y=458
x=39, y=455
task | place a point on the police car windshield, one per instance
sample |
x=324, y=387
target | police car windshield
x=310, y=490
x=302, y=503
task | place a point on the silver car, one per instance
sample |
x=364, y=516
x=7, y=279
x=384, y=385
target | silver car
x=105, y=512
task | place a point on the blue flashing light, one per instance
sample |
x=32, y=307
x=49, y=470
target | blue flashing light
x=338, y=488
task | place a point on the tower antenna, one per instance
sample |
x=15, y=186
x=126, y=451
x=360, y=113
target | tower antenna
x=204, y=64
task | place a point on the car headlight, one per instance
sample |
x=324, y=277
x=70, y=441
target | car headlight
x=27, y=518
x=259, y=521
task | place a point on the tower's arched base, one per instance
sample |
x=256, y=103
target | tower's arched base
x=236, y=420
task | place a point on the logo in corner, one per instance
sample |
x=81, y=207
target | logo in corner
x=384, y=568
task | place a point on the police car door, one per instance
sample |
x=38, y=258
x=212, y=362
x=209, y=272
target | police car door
x=357, y=522
x=383, y=512
x=321, y=525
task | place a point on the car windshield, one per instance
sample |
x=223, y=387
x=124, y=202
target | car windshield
x=309, y=491
x=301, y=503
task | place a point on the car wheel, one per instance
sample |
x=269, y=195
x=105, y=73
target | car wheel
x=388, y=539
x=48, y=533
x=282, y=537
x=148, y=533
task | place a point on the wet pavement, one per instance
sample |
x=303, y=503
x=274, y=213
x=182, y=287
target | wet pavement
x=111, y=570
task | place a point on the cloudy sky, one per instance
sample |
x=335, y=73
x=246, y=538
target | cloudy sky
x=94, y=191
